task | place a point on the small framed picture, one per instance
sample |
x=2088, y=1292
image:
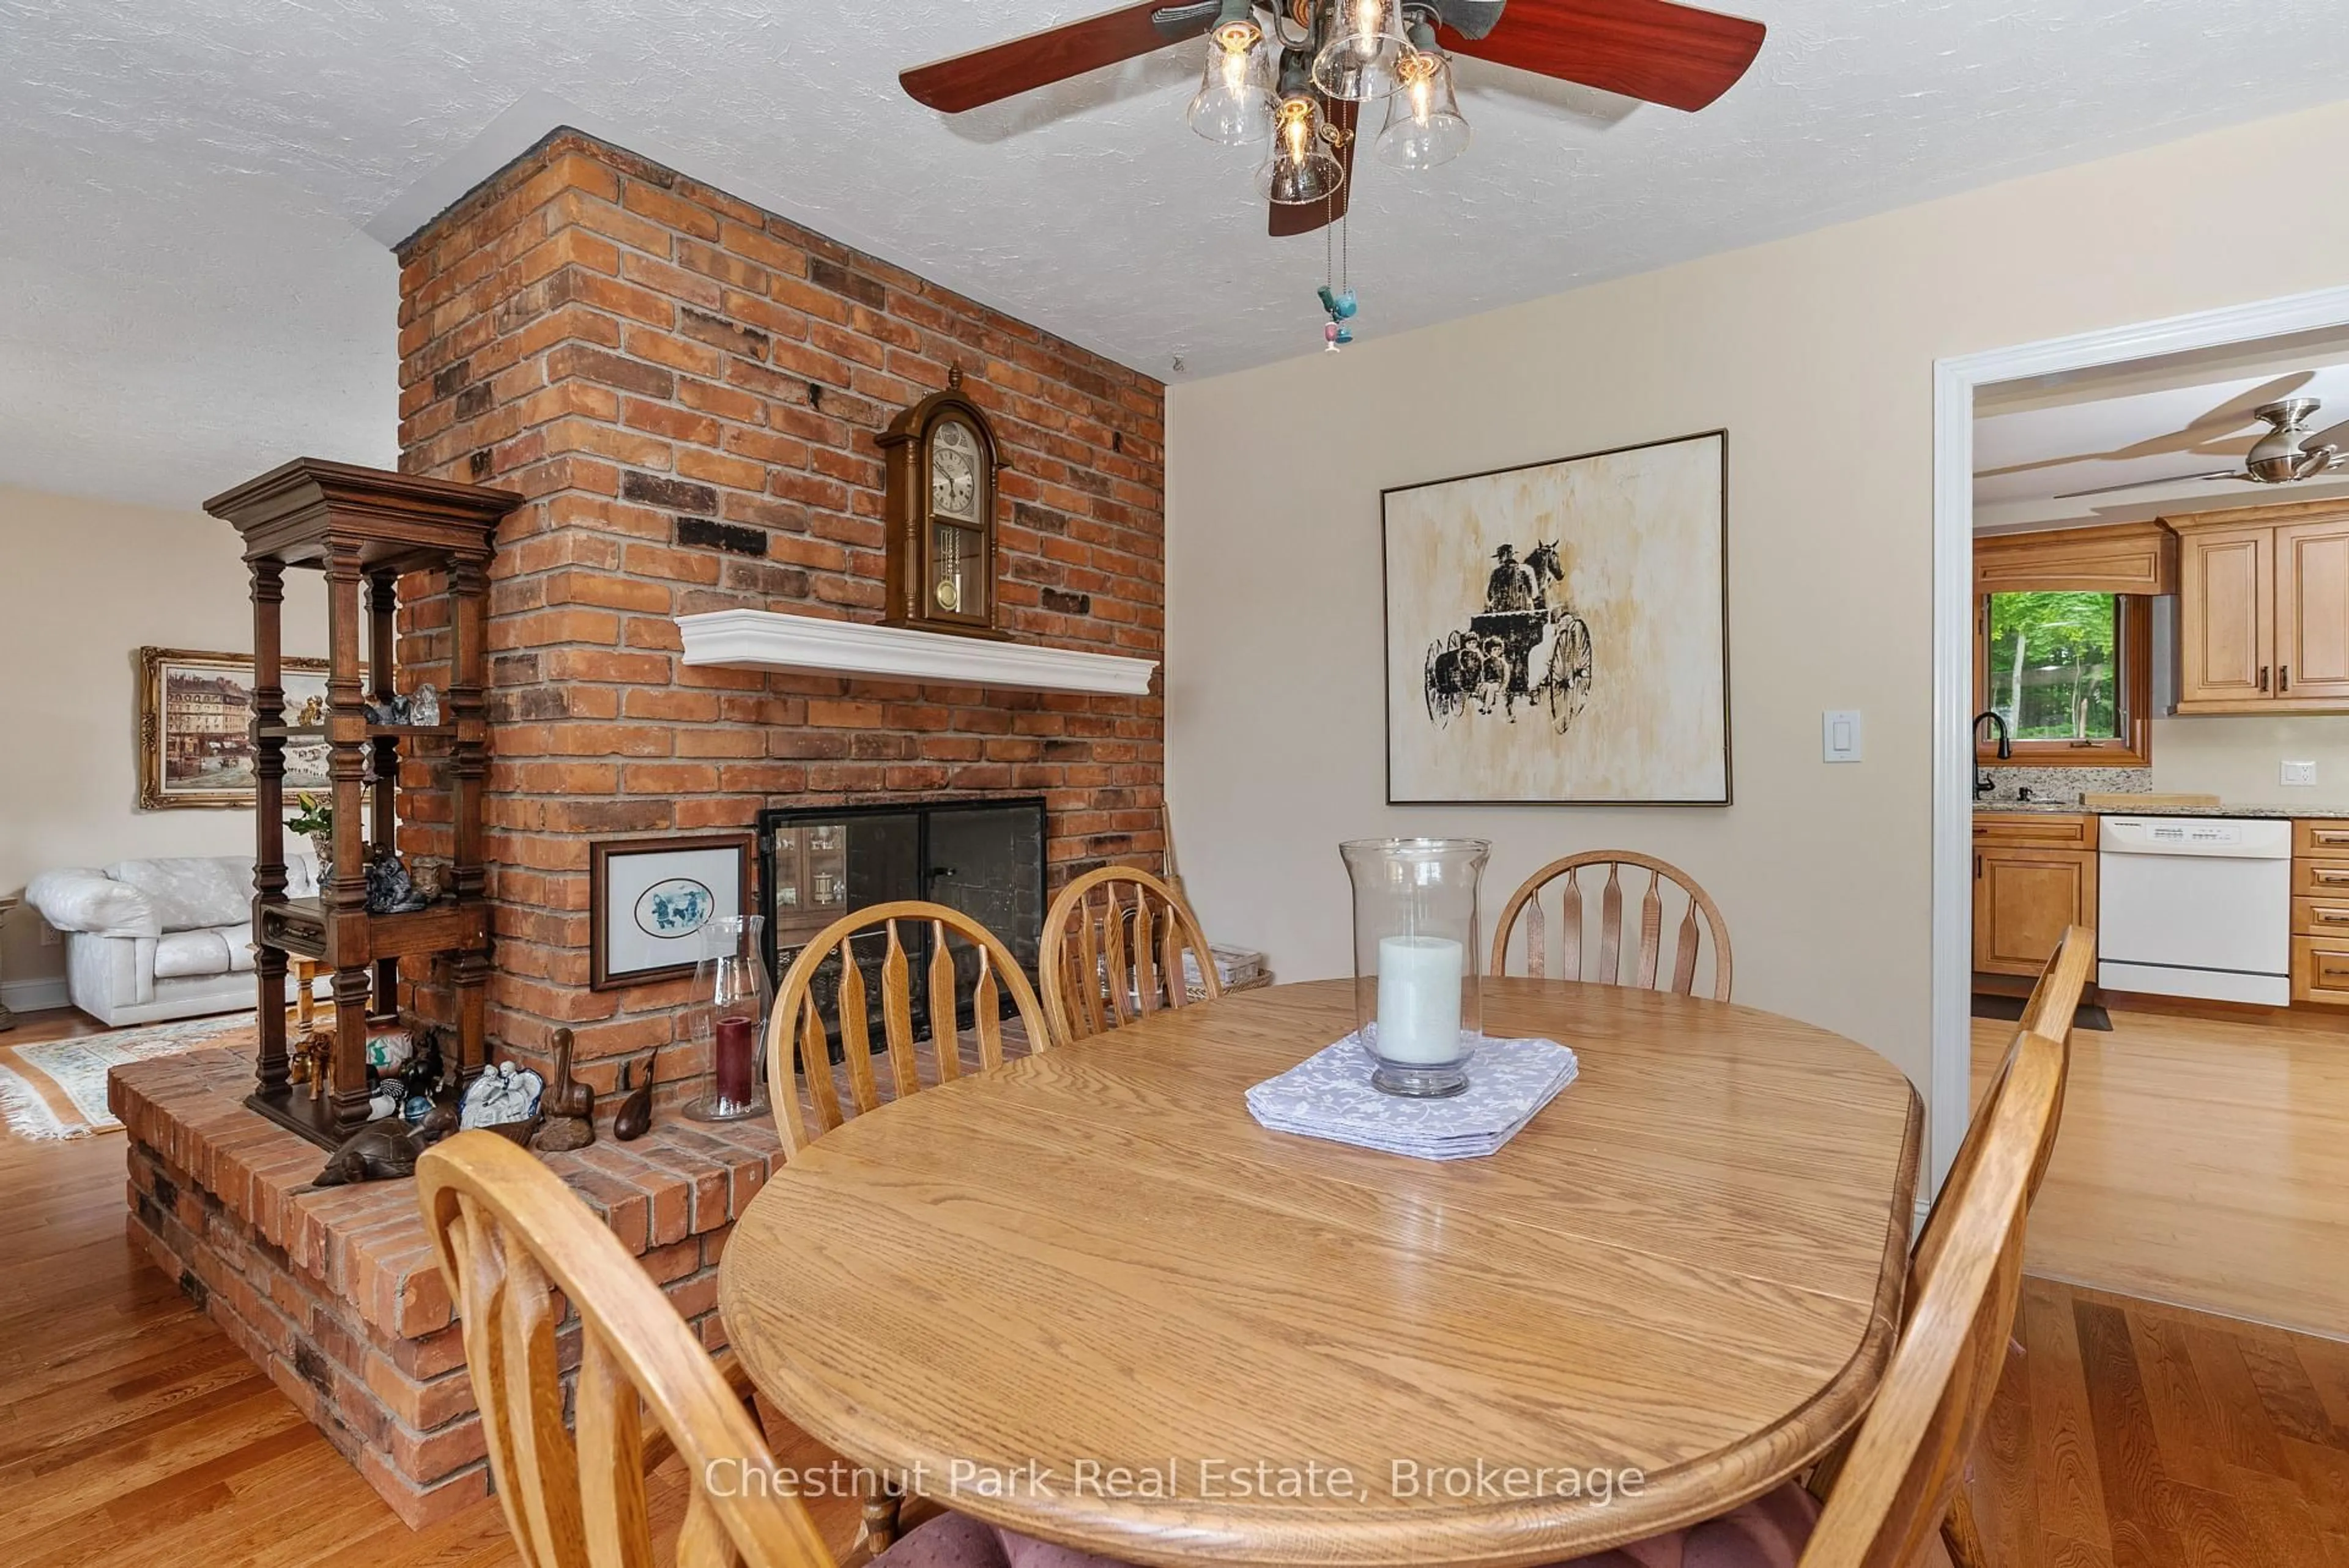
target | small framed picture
x=649, y=900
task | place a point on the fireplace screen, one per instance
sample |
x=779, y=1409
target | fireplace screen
x=984, y=858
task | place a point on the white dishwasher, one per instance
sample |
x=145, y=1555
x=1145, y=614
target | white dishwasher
x=2195, y=906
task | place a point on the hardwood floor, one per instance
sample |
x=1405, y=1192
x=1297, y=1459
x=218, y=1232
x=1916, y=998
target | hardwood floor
x=131, y=1431
x=2125, y=1435
x=2202, y=1164
x=2133, y=1435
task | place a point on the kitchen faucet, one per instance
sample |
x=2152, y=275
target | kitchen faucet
x=1983, y=783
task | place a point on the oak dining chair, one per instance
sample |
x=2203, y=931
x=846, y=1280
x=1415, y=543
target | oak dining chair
x=1886, y=1502
x=509, y=1235
x=1115, y=945
x=1889, y=1506
x=2055, y=1000
x=799, y=1043
x=1698, y=922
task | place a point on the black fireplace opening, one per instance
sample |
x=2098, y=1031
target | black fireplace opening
x=984, y=858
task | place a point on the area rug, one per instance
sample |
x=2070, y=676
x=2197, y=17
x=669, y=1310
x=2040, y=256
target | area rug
x=57, y=1089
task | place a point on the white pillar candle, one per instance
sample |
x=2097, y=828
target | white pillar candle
x=1419, y=999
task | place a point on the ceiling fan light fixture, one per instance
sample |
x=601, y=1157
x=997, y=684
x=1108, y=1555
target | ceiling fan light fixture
x=1424, y=126
x=1302, y=169
x=1234, y=103
x=1366, y=43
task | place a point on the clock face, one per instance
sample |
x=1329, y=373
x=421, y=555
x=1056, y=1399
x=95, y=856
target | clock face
x=955, y=472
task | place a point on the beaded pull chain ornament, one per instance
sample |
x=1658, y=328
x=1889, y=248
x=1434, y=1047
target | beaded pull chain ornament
x=1337, y=289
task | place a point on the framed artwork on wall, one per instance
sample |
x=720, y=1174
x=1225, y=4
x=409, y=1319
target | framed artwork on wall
x=1558, y=633
x=650, y=899
x=195, y=729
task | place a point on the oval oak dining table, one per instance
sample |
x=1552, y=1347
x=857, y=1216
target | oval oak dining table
x=1085, y=1296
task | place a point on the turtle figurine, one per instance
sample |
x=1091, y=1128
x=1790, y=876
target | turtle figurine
x=384, y=1151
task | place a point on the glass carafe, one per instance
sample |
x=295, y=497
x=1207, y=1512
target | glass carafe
x=1419, y=995
x=731, y=998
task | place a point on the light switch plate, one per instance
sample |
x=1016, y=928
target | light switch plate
x=1840, y=737
x=2300, y=773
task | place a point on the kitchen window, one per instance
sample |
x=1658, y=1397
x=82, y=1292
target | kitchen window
x=2070, y=673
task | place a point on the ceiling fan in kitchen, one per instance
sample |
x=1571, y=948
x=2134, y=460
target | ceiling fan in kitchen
x=2287, y=454
x=1299, y=73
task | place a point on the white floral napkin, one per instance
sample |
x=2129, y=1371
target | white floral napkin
x=1329, y=1095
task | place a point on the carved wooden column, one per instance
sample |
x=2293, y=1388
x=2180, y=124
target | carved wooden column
x=468, y=767
x=343, y=897
x=269, y=813
x=383, y=822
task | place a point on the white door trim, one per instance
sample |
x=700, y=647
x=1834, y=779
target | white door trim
x=1955, y=381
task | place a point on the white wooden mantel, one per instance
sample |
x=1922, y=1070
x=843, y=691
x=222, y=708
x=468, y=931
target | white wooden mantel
x=771, y=640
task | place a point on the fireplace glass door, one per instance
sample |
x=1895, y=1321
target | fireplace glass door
x=984, y=858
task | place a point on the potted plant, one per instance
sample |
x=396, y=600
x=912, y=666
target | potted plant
x=315, y=821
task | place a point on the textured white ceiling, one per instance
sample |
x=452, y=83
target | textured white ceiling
x=187, y=291
x=2146, y=421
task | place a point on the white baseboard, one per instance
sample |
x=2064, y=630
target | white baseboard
x=34, y=995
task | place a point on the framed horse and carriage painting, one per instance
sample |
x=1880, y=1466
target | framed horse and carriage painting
x=1558, y=633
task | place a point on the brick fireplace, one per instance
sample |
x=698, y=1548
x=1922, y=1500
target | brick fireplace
x=686, y=391
x=687, y=388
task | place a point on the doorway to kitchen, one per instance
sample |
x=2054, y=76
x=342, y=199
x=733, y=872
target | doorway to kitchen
x=2142, y=595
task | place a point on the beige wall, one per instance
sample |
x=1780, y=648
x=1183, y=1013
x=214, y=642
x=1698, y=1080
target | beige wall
x=1817, y=354
x=2239, y=758
x=83, y=585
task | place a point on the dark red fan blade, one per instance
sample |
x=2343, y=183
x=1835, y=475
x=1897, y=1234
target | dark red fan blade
x=966, y=81
x=1673, y=55
x=1306, y=219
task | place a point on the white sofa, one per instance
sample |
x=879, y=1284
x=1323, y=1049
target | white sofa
x=151, y=940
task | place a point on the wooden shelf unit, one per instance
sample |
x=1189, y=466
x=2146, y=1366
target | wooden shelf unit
x=364, y=529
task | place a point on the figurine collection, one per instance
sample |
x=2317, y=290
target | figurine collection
x=415, y=1100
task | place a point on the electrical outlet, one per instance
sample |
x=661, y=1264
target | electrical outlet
x=50, y=935
x=2300, y=773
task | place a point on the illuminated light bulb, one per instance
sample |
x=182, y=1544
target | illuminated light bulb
x=1425, y=126
x=1301, y=169
x=1357, y=60
x=1234, y=103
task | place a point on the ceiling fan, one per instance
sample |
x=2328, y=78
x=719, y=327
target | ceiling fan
x=1300, y=71
x=2286, y=454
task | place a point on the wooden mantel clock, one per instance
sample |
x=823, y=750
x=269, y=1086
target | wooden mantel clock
x=942, y=462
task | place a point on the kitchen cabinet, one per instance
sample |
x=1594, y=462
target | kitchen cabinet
x=2312, y=611
x=2263, y=610
x=2118, y=558
x=2320, y=913
x=2034, y=876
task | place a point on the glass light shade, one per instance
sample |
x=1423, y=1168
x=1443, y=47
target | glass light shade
x=1234, y=103
x=1357, y=60
x=1425, y=126
x=729, y=1017
x=1302, y=169
x=1419, y=994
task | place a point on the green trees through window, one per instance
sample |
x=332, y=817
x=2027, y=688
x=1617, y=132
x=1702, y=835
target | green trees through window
x=2054, y=668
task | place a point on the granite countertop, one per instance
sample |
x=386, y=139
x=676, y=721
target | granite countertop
x=2074, y=808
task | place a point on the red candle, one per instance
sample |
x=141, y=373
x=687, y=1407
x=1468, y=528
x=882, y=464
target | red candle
x=737, y=1039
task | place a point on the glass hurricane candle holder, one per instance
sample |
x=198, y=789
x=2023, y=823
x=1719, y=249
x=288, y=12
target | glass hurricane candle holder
x=1419, y=995
x=733, y=997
